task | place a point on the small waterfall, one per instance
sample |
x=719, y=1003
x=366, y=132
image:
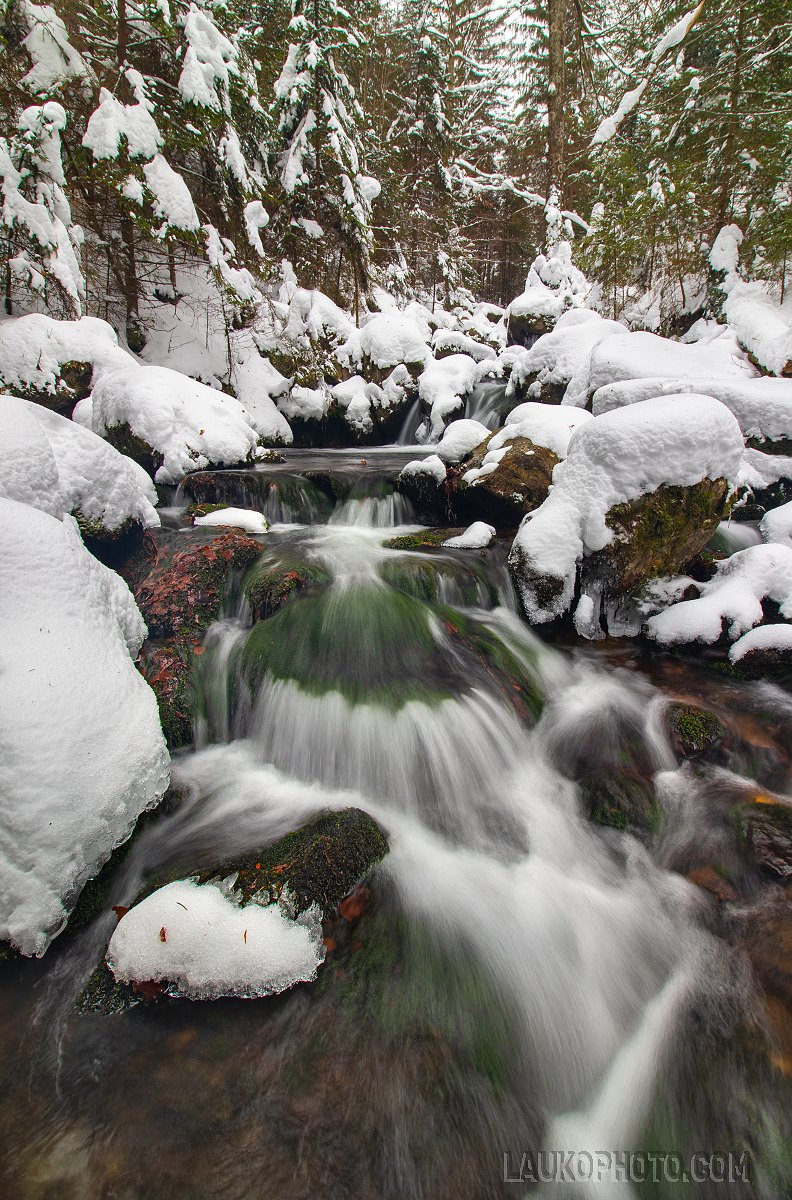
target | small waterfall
x=488, y=403
x=408, y=431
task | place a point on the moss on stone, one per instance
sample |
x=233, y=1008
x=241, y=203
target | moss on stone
x=127, y=442
x=166, y=670
x=694, y=730
x=271, y=587
x=425, y=539
x=658, y=533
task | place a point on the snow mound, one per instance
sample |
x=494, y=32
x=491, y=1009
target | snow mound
x=734, y=596
x=553, y=285
x=441, y=387
x=762, y=406
x=460, y=439
x=57, y=466
x=193, y=936
x=763, y=326
x=763, y=638
x=431, y=467
x=188, y=425
x=643, y=355
x=561, y=358
x=81, y=748
x=35, y=348
x=476, y=537
x=241, y=518
x=545, y=424
x=611, y=459
x=386, y=340
x=776, y=525
x=456, y=342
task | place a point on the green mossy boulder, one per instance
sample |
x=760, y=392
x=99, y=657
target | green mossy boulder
x=270, y=587
x=694, y=731
x=518, y=485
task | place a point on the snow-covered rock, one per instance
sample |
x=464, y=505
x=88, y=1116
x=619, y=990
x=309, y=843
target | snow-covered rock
x=762, y=406
x=776, y=525
x=81, y=749
x=476, y=537
x=731, y=601
x=199, y=940
x=556, y=367
x=186, y=425
x=763, y=325
x=764, y=639
x=546, y=425
x=240, y=518
x=460, y=438
x=34, y=349
x=553, y=285
x=453, y=341
x=612, y=460
x=57, y=466
x=386, y=340
x=442, y=387
x=646, y=355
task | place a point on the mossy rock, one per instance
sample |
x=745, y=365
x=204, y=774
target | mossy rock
x=772, y=664
x=127, y=442
x=203, y=510
x=622, y=804
x=657, y=534
x=321, y=863
x=376, y=645
x=518, y=485
x=424, y=539
x=694, y=731
x=182, y=594
x=271, y=587
x=166, y=669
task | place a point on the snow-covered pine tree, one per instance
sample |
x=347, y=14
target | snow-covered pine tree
x=324, y=194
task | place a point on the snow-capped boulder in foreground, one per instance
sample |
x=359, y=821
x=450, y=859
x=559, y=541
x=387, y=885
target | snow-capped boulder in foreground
x=168, y=422
x=203, y=944
x=82, y=751
x=58, y=466
x=510, y=473
x=54, y=362
x=639, y=494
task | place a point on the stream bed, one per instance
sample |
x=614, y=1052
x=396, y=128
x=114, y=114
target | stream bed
x=542, y=962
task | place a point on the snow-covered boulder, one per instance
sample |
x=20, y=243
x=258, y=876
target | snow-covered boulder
x=556, y=367
x=54, y=464
x=168, y=422
x=731, y=602
x=763, y=406
x=460, y=438
x=82, y=751
x=765, y=481
x=763, y=325
x=54, y=362
x=510, y=473
x=442, y=387
x=476, y=537
x=641, y=491
x=776, y=525
x=199, y=942
x=764, y=652
x=647, y=355
x=453, y=341
x=238, y=518
x=385, y=341
x=424, y=481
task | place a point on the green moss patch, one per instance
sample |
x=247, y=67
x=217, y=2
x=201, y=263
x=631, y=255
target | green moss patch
x=694, y=730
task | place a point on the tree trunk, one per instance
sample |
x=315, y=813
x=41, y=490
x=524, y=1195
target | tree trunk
x=556, y=96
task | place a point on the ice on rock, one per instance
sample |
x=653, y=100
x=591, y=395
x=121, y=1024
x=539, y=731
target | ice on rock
x=476, y=537
x=186, y=423
x=81, y=748
x=197, y=939
x=611, y=459
x=460, y=439
x=240, y=518
x=57, y=466
x=732, y=600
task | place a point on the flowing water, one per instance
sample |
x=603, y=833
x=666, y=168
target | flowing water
x=524, y=979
